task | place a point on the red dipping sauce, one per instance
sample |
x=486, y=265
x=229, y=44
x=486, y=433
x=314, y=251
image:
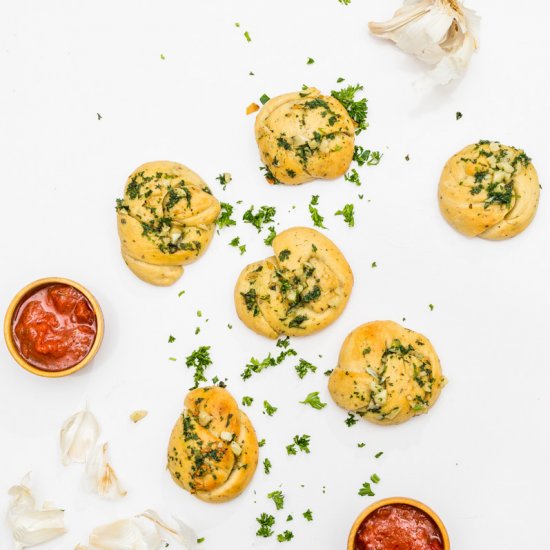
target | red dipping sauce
x=55, y=327
x=398, y=527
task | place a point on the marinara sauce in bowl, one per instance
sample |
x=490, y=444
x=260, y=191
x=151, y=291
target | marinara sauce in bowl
x=53, y=327
x=398, y=524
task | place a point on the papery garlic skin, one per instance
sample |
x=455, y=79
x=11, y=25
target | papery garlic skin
x=439, y=32
x=31, y=526
x=143, y=532
x=101, y=477
x=182, y=533
x=78, y=436
x=126, y=534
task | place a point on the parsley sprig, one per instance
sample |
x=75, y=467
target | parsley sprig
x=300, y=441
x=357, y=109
x=314, y=401
x=199, y=360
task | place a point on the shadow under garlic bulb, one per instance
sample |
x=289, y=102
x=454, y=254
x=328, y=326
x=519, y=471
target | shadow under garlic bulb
x=386, y=373
x=304, y=136
x=213, y=449
x=489, y=190
x=300, y=290
x=166, y=220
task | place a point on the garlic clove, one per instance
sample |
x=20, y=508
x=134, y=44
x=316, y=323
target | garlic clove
x=78, y=436
x=31, y=526
x=226, y=436
x=101, y=477
x=442, y=33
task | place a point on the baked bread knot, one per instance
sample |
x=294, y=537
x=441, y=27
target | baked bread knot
x=213, y=450
x=489, y=190
x=303, y=136
x=386, y=373
x=302, y=289
x=166, y=220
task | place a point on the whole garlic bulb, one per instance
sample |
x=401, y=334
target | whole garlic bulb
x=442, y=33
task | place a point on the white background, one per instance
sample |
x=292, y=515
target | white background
x=479, y=458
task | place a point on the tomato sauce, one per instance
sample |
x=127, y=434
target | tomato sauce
x=398, y=527
x=55, y=327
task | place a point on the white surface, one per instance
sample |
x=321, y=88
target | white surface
x=479, y=458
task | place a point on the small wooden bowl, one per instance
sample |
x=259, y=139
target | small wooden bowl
x=12, y=309
x=398, y=500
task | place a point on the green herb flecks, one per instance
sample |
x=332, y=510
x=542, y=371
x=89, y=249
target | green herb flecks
x=314, y=401
x=348, y=213
x=199, y=360
x=357, y=110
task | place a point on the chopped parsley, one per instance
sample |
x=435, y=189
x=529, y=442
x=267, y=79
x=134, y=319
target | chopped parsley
x=357, y=110
x=270, y=178
x=278, y=499
x=247, y=36
x=310, y=61
x=269, y=409
x=314, y=400
x=224, y=179
x=315, y=216
x=361, y=445
x=264, y=99
x=431, y=306
x=308, y=514
x=171, y=339
x=247, y=401
x=264, y=215
x=375, y=478
x=353, y=177
x=284, y=255
x=378, y=455
x=256, y=366
x=302, y=442
x=345, y=3
x=266, y=522
x=373, y=265
x=298, y=321
x=458, y=115
x=351, y=420
x=365, y=156
x=236, y=242
x=303, y=367
x=181, y=293
x=224, y=219
x=199, y=360
x=272, y=234
x=285, y=536
x=267, y=466
x=366, y=490
x=348, y=213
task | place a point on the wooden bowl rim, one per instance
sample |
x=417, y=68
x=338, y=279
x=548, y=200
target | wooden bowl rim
x=398, y=500
x=12, y=308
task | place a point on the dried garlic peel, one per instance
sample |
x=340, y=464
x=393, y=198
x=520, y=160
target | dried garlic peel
x=144, y=532
x=31, y=526
x=100, y=475
x=439, y=32
x=78, y=436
